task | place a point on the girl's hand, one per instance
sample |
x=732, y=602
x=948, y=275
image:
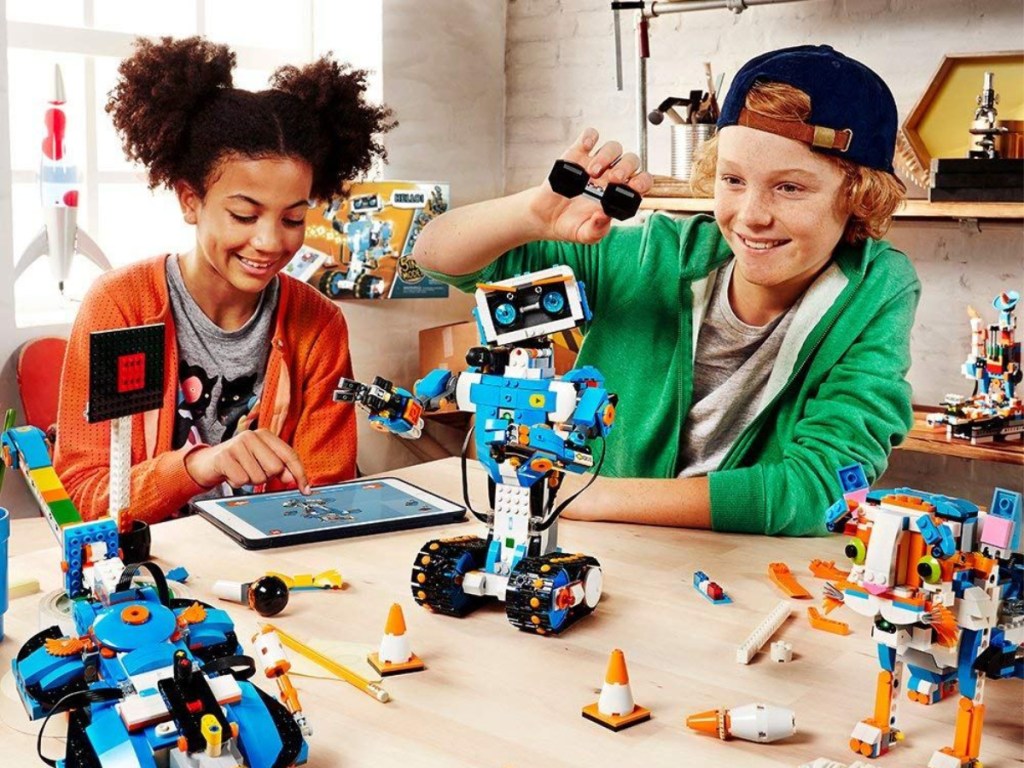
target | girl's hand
x=248, y=458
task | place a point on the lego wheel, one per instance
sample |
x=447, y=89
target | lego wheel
x=548, y=594
x=49, y=697
x=368, y=287
x=438, y=571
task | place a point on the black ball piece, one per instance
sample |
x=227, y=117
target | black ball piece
x=268, y=595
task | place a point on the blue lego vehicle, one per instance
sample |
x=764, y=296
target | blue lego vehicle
x=149, y=681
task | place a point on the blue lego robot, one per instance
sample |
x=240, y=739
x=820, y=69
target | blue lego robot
x=531, y=427
x=147, y=680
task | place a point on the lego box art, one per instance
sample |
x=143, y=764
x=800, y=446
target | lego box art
x=368, y=240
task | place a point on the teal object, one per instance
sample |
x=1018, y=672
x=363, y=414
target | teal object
x=5, y=534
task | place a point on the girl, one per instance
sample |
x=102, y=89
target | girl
x=251, y=359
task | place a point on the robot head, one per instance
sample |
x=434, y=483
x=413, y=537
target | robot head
x=530, y=306
x=367, y=204
x=907, y=550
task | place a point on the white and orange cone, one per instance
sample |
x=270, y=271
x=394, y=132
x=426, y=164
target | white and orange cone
x=395, y=655
x=615, y=708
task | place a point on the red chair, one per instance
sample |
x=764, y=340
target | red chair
x=39, y=366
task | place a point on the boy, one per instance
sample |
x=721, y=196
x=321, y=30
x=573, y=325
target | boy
x=753, y=354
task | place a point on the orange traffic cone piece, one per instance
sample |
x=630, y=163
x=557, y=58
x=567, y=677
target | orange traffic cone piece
x=395, y=656
x=615, y=709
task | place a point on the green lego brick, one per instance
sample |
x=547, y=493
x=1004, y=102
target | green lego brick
x=64, y=512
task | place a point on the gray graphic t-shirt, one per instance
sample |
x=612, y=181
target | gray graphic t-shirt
x=220, y=373
x=731, y=367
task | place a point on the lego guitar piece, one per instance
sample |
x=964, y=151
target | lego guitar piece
x=531, y=427
x=943, y=583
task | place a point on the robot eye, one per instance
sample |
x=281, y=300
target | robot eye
x=857, y=551
x=553, y=302
x=505, y=314
x=928, y=568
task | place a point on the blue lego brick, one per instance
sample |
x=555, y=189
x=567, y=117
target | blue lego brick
x=433, y=384
x=938, y=537
x=178, y=574
x=1007, y=504
x=835, y=516
x=852, y=478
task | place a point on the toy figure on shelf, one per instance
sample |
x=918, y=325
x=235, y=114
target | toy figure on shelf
x=943, y=583
x=367, y=241
x=994, y=411
x=147, y=679
x=530, y=429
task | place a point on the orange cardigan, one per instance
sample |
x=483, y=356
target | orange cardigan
x=309, y=352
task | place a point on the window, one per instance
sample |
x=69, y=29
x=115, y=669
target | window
x=87, y=39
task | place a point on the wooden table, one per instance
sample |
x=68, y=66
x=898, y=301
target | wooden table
x=924, y=438
x=495, y=697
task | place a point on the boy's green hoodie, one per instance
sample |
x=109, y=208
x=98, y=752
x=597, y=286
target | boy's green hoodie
x=836, y=395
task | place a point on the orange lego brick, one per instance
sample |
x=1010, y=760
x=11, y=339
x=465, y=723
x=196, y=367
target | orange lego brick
x=826, y=569
x=827, y=625
x=780, y=574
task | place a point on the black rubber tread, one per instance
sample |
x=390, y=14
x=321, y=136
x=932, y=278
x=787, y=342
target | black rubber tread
x=529, y=580
x=435, y=583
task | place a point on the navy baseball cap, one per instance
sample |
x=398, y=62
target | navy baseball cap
x=853, y=113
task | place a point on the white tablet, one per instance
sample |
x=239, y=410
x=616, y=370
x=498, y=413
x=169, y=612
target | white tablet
x=354, y=508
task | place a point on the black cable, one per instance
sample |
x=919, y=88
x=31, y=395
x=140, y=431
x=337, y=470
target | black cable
x=94, y=696
x=159, y=580
x=550, y=519
x=465, y=478
x=239, y=667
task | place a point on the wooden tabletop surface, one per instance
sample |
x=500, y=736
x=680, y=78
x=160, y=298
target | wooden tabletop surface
x=494, y=696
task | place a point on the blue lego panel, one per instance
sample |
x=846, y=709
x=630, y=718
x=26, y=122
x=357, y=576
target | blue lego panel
x=886, y=657
x=29, y=444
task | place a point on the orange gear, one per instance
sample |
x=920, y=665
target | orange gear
x=66, y=646
x=135, y=614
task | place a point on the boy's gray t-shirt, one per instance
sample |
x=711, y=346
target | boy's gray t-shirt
x=731, y=367
x=220, y=373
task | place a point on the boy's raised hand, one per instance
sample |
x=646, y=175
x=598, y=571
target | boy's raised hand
x=580, y=219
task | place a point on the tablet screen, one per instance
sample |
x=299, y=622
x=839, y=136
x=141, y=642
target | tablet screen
x=331, y=511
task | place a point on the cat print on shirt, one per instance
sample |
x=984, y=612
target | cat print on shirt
x=195, y=391
x=237, y=398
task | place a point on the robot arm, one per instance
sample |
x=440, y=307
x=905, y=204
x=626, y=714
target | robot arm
x=595, y=406
x=391, y=408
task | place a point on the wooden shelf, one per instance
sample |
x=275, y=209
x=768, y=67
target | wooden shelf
x=913, y=209
x=927, y=439
x=673, y=195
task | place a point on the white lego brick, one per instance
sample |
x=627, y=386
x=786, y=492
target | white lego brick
x=869, y=734
x=782, y=652
x=768, y=627
x=943, y=760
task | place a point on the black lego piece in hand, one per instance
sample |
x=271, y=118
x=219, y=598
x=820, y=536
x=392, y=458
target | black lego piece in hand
x=619, y=201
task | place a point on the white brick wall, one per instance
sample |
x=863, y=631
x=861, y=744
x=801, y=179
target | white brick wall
x=560, y=76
